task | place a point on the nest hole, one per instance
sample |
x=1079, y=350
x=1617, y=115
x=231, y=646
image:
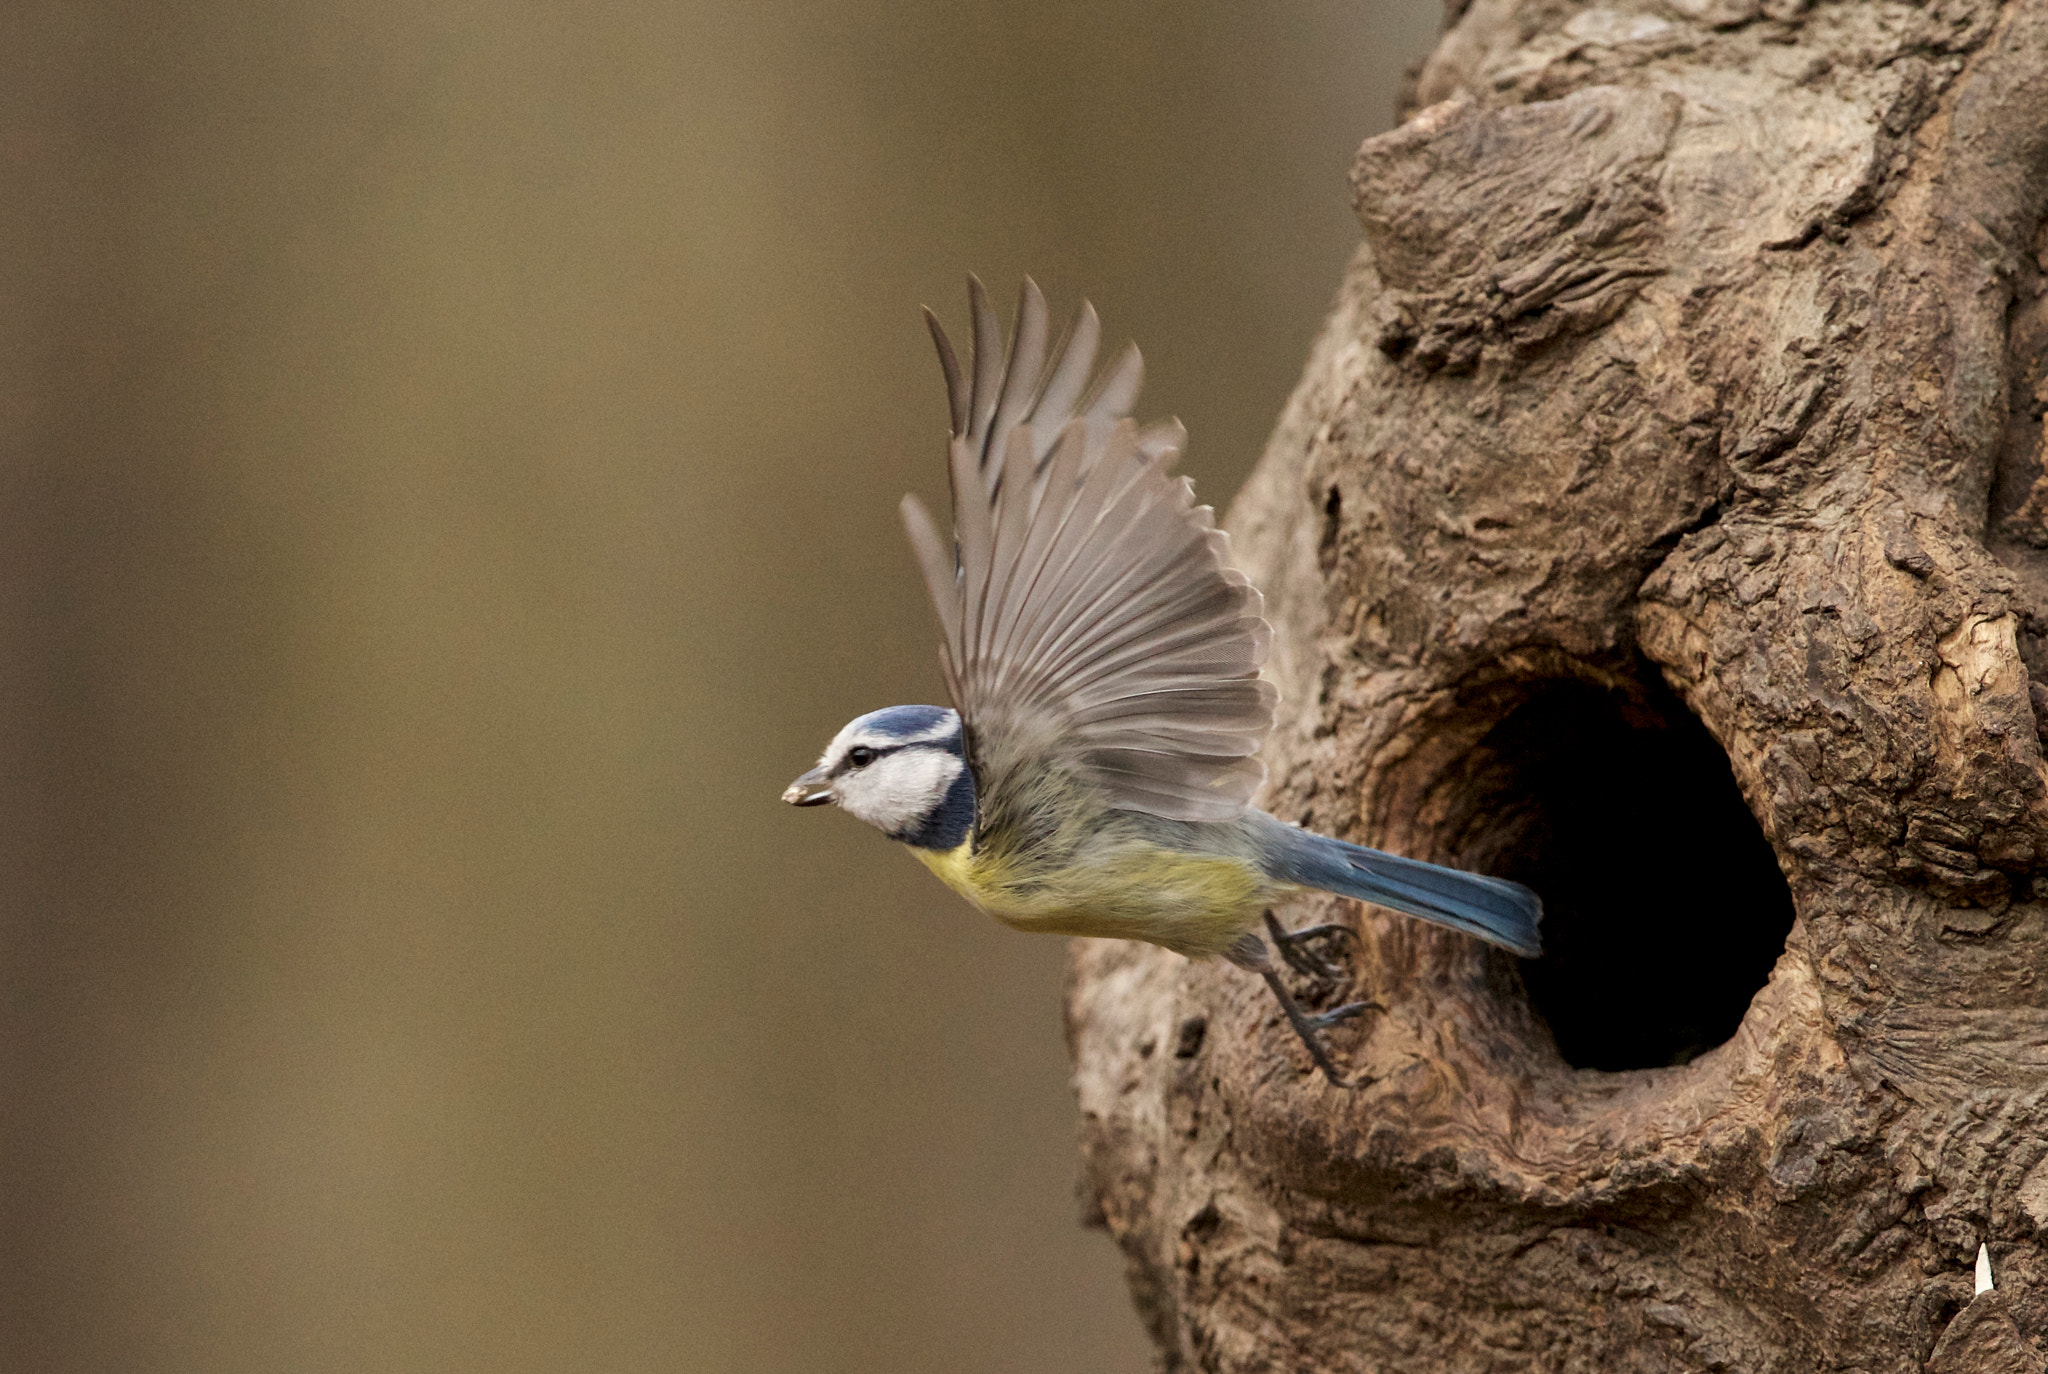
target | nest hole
x=1664, y=909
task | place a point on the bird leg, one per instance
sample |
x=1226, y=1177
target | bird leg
x=1294, y=947
x=1250, y=953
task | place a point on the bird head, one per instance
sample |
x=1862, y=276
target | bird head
x=902, y=770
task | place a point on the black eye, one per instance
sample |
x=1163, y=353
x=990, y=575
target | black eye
x=860, y=756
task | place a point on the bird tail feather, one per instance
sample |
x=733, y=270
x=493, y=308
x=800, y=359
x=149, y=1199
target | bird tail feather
x=1494, y=909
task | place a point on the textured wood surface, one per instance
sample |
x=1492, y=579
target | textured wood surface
x=1690, y=374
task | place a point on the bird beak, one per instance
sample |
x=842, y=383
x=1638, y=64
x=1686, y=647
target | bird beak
x=809, y=790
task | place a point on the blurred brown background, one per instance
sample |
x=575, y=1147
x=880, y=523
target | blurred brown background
x=451, y=458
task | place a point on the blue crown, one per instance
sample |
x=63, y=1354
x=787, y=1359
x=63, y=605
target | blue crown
x=933, y=723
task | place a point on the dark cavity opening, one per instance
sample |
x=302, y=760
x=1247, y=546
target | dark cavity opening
x=1664, y=909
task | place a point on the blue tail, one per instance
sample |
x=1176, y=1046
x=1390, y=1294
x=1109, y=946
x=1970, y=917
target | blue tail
x=1493, y=909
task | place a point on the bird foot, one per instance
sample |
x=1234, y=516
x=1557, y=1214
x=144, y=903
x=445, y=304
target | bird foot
x=1310, y=1025
x=1249, y=953
x=1295, y=948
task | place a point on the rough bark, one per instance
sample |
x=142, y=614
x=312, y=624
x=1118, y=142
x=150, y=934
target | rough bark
x=1677, y=422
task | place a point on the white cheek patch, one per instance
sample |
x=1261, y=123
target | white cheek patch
x=895, y=793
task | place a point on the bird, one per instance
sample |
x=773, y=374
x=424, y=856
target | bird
x=1095, y=774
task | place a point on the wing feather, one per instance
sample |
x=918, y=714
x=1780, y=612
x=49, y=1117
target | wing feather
x=1090, y=619
x=988, y=360
x=935, y=561
x=1070, y=375
x=956, y=393
x=1117, y=392
x=1021, y=376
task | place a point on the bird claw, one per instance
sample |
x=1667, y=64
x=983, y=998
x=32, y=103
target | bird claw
x=1323, y=1020
x=1294, y=948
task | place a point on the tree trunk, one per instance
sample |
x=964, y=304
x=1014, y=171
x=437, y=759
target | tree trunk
x=1661, y=520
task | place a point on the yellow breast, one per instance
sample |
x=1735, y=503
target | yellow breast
x=955, y=868
x=1193, y=903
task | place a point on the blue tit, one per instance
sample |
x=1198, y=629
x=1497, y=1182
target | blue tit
x=1096, y=777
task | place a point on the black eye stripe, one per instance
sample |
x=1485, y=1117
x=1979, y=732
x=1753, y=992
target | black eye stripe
x=872, y=752
x=877, y=752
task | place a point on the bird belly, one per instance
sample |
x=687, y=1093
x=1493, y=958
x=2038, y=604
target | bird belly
x=1195, y=904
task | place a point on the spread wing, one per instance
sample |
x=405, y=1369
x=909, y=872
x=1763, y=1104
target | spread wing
x=1090, y=617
